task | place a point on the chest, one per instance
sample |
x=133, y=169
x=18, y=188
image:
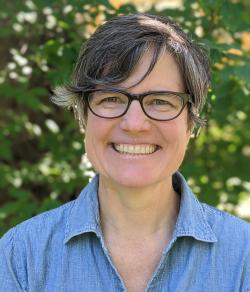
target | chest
x=83, y=265
x=136, y=263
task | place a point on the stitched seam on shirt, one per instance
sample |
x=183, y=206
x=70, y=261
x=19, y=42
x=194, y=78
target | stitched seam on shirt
x=95, y=204
x=94, y=227
x=203, y=230
x=203, y=216
x=207, y=225
x=87, y=227
x=67, y=221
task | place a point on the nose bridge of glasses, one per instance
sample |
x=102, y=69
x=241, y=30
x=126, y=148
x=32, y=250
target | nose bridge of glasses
x=135, y=97
x=135, y=101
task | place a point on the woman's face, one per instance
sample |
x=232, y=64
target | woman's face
x=167, y=139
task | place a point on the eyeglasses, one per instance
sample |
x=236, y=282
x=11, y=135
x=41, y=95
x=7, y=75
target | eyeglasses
x=157, y=105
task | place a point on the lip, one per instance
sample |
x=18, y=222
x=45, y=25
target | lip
x=134, y=142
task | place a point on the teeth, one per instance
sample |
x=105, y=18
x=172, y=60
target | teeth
x=135, y=149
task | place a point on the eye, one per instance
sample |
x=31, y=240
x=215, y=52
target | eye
x=110, y=99
x=160, y=102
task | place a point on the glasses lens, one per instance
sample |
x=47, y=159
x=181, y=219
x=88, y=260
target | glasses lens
x=163, y=106
x=108, y=104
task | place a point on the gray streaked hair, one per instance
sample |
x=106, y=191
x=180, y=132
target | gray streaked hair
x=116, y=47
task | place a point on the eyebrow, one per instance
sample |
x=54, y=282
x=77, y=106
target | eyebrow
x=115, y=89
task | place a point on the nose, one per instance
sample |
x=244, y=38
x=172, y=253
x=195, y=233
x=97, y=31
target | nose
x=135, y=120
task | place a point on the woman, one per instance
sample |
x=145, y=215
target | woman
x=137, y=90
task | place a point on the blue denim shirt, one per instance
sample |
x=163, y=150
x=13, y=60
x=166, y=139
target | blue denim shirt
x=64, y=250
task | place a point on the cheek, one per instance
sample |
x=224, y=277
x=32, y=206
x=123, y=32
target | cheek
x=96, y=136
x=178, y=132
x=91, y=138
x=93, y=129
x=92, y=148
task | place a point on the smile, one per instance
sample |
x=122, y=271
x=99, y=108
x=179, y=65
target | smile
x=140, y=149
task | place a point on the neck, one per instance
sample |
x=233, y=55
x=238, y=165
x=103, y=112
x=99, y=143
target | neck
x=132, y=213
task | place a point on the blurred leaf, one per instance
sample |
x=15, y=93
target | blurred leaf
x=232, y=14
x=5, y=149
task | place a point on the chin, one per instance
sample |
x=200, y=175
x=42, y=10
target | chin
x=135, y=181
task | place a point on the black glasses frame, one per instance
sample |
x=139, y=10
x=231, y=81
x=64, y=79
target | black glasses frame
x=186, y=97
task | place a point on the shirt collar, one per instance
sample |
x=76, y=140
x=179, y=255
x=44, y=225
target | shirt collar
x=84, y=213
x=191, y=220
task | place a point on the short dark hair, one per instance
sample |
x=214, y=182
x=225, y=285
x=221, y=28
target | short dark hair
x=113, y=51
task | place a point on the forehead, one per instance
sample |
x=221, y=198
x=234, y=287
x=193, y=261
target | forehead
x=165, y=75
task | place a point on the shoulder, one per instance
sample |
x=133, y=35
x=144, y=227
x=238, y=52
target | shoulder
x=227, y=227
x=39, y=226
x=233, y=240
x=30, y=242
x=53, y=224
x=216, y=215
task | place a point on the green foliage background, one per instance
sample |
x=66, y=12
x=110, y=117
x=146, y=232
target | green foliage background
x=41, y=162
